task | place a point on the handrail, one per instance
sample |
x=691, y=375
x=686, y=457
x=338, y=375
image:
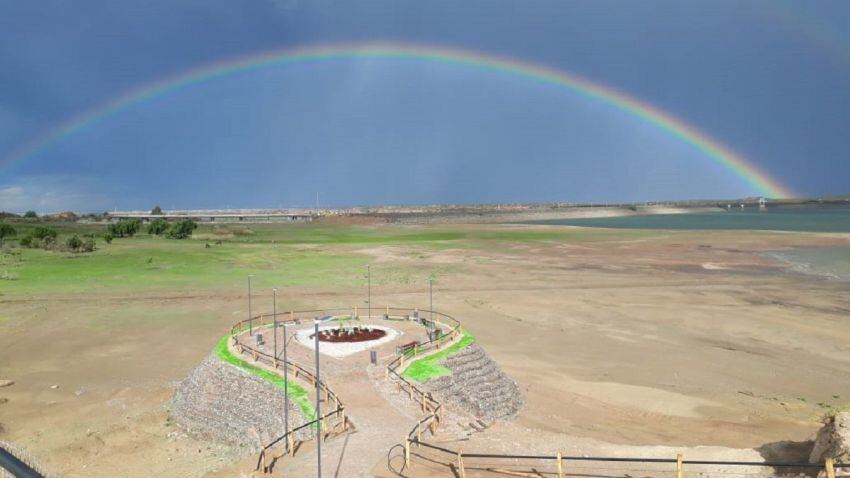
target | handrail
x=263, y=320
x=275, y=362
x=679, y=460
x=431, y=406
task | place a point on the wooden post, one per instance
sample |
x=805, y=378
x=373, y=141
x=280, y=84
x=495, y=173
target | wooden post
x=388, y=312
x=386, y=374
x=291, y=316
x=830, y=467
x=423, y=402
x=460, y=463
x=355, y=312
x=679, y=468
x=401, y=364
x=560, y=465
x=418, y=435
x=290, y=442
x=407, y=453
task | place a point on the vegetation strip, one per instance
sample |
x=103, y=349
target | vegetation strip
x=296, y=392
x=427, y=368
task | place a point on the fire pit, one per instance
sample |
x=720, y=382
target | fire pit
x=340, y=340
x=350, y=334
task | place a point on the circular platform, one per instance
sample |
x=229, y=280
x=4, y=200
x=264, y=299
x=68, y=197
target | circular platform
x=340, y=344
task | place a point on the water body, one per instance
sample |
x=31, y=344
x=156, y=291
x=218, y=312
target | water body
x=829, y=262
x=776, y=218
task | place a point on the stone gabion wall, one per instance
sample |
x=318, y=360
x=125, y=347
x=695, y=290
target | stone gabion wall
x=477, y=385
x=220, y=402
x=25, y=457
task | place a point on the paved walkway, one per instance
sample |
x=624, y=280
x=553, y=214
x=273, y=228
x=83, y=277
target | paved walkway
x=380, y=423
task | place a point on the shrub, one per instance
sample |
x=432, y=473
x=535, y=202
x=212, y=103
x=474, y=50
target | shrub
x=44, y=233
x=26, y=241
x=74, y=243
x=30, y=215
x=182, y=229
x=157, y=211
x=6, y=231
x=158, y=227
x=124, y=227
x=88, y=243
x=108, y=238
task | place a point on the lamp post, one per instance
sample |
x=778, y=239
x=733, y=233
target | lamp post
x=250, y=322
x=285, y=387
x=369, y=288
x=431, y=302
x=274, y=319
x=318, y=404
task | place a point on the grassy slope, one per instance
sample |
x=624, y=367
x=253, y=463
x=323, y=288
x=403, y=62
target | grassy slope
x=296, y=392
x=427, y=368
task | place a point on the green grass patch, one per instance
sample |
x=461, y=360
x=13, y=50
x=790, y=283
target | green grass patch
x=296, y=392
x=427, y=368
x=279, y=255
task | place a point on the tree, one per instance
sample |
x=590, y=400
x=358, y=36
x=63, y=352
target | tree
x=30, y=215
x=157, y=211
x=158, y=227
x=182, y=229
x=44, y=233
x=108, y=238
x=124, y=227
x=6, y=231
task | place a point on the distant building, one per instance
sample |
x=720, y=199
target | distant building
x=762, y=203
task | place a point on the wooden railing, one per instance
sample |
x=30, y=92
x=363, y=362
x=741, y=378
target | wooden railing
x=395, y=369
x=568, y=465
x=430, y=406
x=335, y=418
x=432, y=418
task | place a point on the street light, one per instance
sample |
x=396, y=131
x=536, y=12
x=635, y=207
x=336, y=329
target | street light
x=369, y=288
x=285, y=386
x=274, y=319
x=318, y=404
x=250, y=322
x=431, y=303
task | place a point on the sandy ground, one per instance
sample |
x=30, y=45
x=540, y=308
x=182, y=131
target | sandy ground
x=676, y=339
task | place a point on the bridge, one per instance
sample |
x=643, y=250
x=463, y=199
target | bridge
x=216, y=216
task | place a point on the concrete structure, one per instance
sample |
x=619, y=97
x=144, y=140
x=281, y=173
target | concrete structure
x=216, y=216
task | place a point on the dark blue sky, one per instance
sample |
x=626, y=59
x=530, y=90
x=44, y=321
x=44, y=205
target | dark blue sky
x=769, y=79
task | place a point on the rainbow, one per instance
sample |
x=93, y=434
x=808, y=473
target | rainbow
x=758, y=180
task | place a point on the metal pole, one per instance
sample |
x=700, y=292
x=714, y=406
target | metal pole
x=369, y=282
x=318, y=406
x=250, y=325
x=274, y=319
x=431, y=302
x=285, y=386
